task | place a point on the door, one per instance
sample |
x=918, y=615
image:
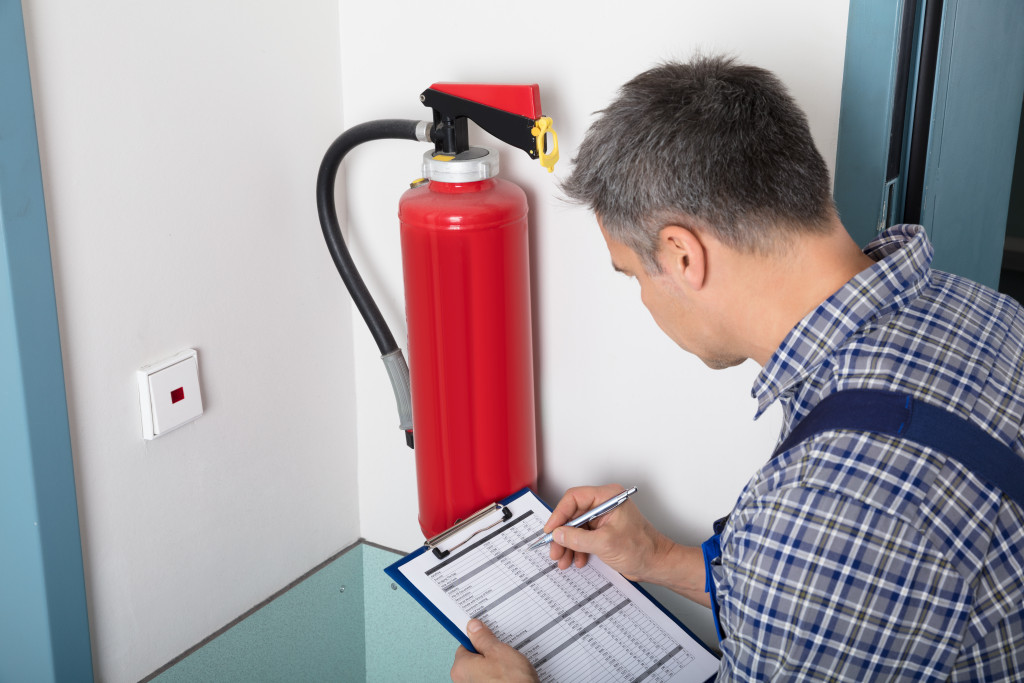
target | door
x=44, y=628
x=932, y=93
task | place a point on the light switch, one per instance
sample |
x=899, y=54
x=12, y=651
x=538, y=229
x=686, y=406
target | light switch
x=169, y=393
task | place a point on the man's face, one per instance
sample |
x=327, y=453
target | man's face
x=673, y=306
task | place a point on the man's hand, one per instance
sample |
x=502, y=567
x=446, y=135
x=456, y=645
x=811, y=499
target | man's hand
x=623, y=538
x=496, y=661
x=625, y=541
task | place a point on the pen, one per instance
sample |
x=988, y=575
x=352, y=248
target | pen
x=602, y=509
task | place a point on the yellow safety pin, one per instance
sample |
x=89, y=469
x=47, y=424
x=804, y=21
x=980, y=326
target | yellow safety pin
x=541, y=127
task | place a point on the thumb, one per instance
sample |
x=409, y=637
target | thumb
x=481, y=637
x=574, y=538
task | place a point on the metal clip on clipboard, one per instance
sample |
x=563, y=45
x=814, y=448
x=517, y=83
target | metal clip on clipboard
x=435, y=542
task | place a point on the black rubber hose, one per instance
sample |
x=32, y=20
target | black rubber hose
x=383, y=129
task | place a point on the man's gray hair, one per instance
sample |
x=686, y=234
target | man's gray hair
x=711, y=145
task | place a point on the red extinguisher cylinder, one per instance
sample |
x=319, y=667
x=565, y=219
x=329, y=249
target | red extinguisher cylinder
x=465, y=256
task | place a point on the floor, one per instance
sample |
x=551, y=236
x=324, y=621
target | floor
x=346, y=621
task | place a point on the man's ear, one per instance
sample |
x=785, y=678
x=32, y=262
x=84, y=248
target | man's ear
x=683, y=255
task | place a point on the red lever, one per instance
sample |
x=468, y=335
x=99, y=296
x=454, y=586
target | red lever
x=523, y=100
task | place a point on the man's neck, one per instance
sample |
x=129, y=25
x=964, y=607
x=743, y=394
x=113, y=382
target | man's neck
x=782, y=290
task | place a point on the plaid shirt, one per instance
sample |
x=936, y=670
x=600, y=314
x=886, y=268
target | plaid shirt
x=863, y=558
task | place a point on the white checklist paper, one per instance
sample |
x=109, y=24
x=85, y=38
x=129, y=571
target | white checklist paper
x=580, y=624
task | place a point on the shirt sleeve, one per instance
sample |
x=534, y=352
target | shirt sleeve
x=816, y=585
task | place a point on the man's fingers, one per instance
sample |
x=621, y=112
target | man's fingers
x=460, y=664
x=575, y=501
x=578, y=500
x=575, y=539
x=566, y=509
x=481, y=637
x=495, y=661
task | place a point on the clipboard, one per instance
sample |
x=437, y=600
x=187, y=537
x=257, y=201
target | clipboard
x=480, y=568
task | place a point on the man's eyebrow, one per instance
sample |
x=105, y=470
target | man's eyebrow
x=617, y=269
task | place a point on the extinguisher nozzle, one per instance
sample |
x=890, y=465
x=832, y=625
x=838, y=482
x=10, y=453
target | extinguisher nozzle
x=408, y=438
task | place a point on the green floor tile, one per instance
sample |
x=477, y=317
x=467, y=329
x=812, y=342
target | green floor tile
x=315, y=631
x=312, y=632
x=403, y=642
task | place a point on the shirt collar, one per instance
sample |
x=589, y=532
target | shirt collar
x=903, y=258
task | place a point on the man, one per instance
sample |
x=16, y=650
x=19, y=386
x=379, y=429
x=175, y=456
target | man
x=850, y=556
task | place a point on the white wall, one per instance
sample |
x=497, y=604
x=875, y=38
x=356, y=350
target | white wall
x=617, y=401
x=180, y=143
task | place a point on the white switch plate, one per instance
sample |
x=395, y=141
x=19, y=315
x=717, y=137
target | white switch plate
x=169, y=393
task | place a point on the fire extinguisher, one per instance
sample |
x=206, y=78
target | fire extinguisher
x=465, y=261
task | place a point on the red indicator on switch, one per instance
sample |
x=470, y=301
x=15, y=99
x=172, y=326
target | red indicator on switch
x=178, y=395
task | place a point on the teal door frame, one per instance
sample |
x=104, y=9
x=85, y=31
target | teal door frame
x=865, y=115
x=979, y=87
x=44, y=626
x=973, y=126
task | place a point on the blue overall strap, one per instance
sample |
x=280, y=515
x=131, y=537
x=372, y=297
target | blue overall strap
x=898, y=415
x=712, y=551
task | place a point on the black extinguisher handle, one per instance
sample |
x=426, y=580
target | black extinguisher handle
x=383, y=129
